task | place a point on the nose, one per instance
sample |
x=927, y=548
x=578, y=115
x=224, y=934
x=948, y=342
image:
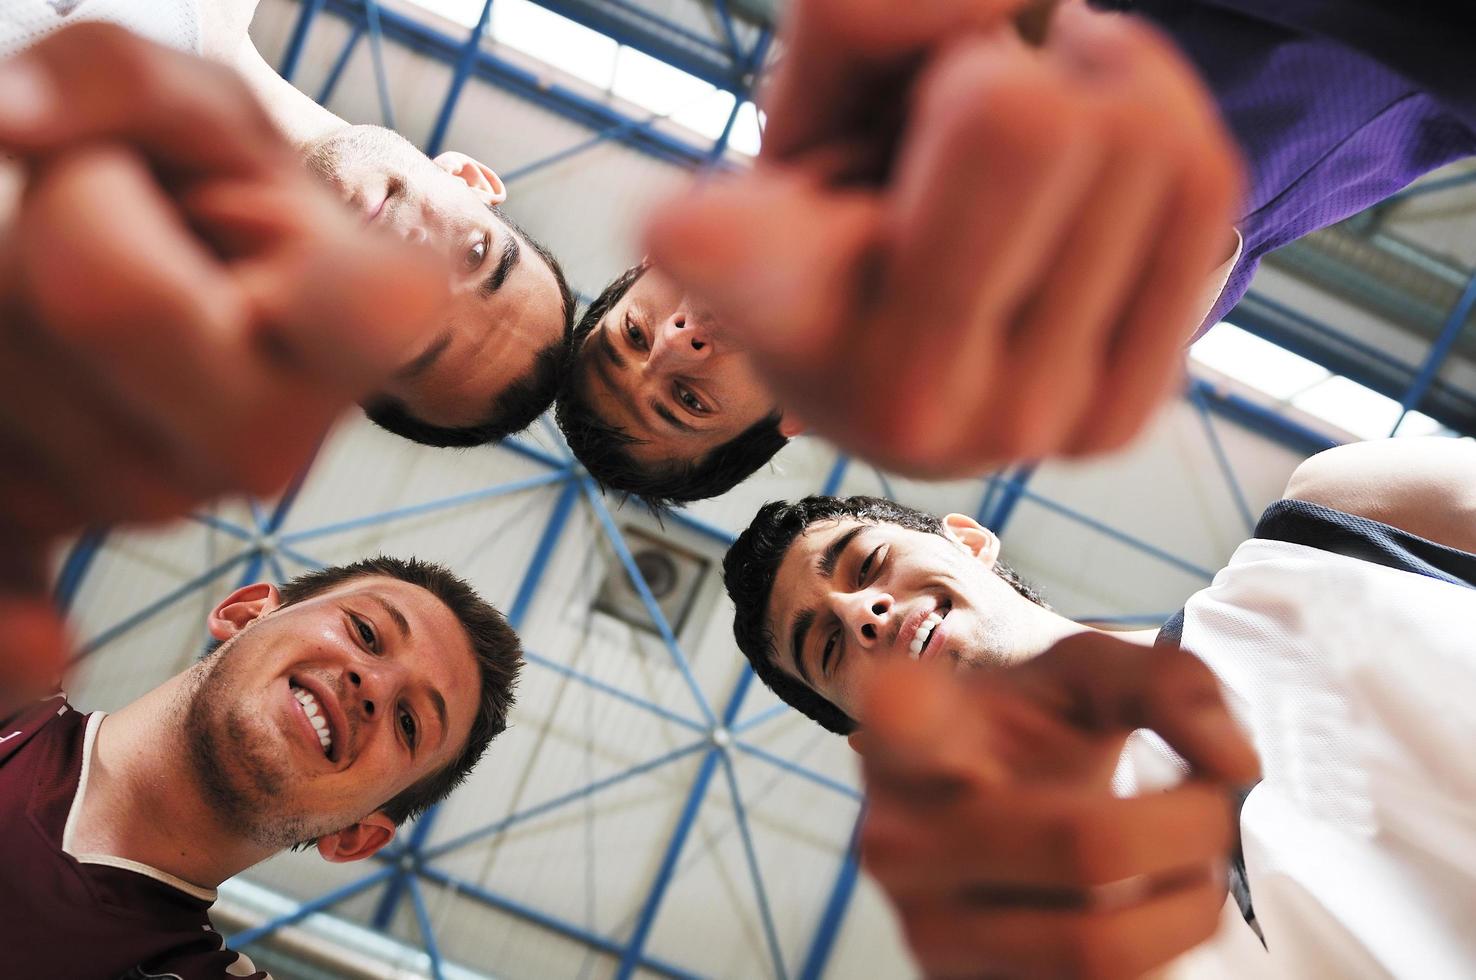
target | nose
x=415, y=234
x=683, y=340
x=370, y=688
x=866, y=615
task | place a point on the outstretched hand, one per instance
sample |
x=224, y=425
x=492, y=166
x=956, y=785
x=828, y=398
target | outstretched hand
x=957, y=250
x=992, y=826
x=183, y=310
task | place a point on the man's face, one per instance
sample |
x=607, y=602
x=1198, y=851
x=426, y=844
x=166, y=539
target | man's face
x=386, y=664
x=506, y=305
x=666, y=372
x=850, y=595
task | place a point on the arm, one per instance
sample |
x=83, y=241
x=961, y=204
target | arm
x=232, y=308
x=1424, y=486
x=959, y=250
x=300, y=119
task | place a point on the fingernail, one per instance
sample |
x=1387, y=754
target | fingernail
x=25, y=93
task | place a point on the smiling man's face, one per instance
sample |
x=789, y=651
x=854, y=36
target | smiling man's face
x=666, y=372
x=505, y=302
x=318, y=713
x=850, y=595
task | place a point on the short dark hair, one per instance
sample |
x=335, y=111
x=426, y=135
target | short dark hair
x=515, y=407
x=495, y=646
x=602, y=448
x=752, y=563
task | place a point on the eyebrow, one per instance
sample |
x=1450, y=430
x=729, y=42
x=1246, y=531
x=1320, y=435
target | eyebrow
x=671, y=418
x=439, y=703
x=802, y=624
x=429, y=356
x=830, y=557
x=511, y=252
x=609, y=348
x=394, y=613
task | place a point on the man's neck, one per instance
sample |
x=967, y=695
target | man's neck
x=300, y=119
x=143, y=802
x=226, y=38
x=1041, y=628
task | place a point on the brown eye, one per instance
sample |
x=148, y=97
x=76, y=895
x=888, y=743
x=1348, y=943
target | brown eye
x=633, y=334
x=477, y=254
x=690, y=400
x=366, y=633
x=826, y=653
x=407, y=725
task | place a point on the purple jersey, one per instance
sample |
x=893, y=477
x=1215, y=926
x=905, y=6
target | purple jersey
x=1336, y=103
x=99, y=917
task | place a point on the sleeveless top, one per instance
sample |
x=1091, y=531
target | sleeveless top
x=1345, y=650
x=175, y=23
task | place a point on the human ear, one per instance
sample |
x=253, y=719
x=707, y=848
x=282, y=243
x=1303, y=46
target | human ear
x=482, y=179
x=241, y=608
x=973, y=537
x=791, y=425
x=857, y=743
x=358, y=841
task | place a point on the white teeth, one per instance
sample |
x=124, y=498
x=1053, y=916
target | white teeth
x=924, y=630
x=311, y=709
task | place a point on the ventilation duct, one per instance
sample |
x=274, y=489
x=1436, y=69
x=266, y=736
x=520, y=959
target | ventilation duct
x=672, y=574
x=1404, y=284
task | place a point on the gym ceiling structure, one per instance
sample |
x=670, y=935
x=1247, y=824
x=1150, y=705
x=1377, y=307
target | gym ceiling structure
x=653, y=811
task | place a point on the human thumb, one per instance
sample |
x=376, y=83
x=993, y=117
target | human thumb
x=781, y=259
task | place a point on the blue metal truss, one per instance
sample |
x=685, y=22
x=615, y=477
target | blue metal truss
x=407, y=869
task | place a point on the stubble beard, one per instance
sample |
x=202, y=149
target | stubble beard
x=349, y=156
x=244, y=783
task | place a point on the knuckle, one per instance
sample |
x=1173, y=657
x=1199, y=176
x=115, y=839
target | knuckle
x=1212, y=182
x=1083, y=844
x=987, y=111
x=95, y=37
x=883, y=852
x=1150, y=127
x=919, y=926
x=1096, y=952
x=1206, y=920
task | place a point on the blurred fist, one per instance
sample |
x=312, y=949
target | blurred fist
x=958, y=250
x=992, y=826
x=183, y=310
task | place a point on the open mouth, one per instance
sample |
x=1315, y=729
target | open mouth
x=927, y=628
x=316, y=716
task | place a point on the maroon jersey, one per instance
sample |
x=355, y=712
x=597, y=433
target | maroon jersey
x=97, y=917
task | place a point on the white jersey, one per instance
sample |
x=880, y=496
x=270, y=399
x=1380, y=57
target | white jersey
x=1348, y=651
x=175, y=23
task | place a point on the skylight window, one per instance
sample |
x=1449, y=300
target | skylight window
x=1288, y=380
x=670, y=92
x=655, y=85
x=660, y=89
x=558, y=41
x=747, y=130
x=463, y=12
x=1256, y=362
x=1351, y=407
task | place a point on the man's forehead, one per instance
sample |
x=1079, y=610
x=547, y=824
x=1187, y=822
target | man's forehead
x=800, y=565
x=413, y=601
